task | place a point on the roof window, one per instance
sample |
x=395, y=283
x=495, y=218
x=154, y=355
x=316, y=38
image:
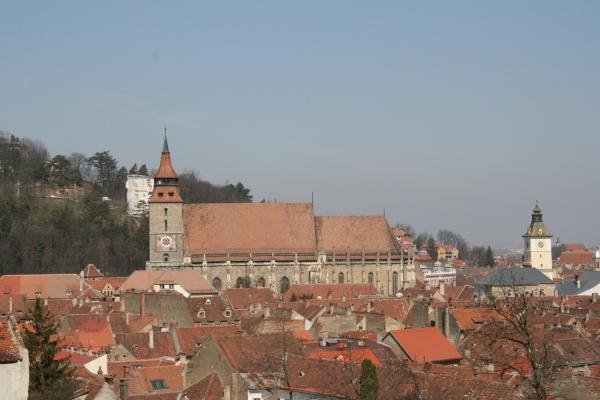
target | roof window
x=160, y=194
x=158, y=384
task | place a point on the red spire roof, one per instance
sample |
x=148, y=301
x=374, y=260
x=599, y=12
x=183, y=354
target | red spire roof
x=165, y=170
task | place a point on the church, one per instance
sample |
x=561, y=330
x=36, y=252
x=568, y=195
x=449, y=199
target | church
x=271, y=245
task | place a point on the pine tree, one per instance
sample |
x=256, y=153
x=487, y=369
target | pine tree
x=48, y=378
x=489, y=257
x=143, y=170
x=369, y=386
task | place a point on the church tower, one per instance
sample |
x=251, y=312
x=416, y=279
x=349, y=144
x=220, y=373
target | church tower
x=166, y=215
x=538, y=246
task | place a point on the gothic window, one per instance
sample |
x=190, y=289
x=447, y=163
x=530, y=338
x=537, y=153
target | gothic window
x=239, y=283
x=284, y=284
x=165, y=257
x=261, y=282
x=394, y=283
x=166, y=225
x=217, y=283
x=166, y=211
x=341, y=277
x=370, y=277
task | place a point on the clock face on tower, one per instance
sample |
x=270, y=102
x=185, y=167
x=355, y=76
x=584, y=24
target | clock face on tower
x=165, y=243
x=540, y=244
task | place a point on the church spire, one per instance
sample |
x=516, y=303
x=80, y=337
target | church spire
x=165, y=143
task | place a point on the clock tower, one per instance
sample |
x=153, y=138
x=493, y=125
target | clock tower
x=538, y=245
x=166, y=215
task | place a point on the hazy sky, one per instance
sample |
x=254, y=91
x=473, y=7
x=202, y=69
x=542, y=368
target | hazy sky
x=447, y=114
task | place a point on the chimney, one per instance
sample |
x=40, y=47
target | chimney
x=80, y=285
x=123, y=388
x=344, y=297
x=126, y=318
x=577, y=281
x=594, y=297
x=142, y=304
x=151, y=339
x=267, y=312
x=10, y=304
x=447, y=322
x=331, y=309
x=124, y=384
x=442, y=289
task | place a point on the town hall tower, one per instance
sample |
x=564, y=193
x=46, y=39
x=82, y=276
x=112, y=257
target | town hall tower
x=538, y=246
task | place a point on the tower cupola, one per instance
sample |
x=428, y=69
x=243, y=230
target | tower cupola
x=166, y=181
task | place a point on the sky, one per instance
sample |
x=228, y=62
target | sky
x=454, y=115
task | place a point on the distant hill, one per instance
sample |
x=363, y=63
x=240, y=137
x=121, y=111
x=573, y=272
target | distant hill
x=55, y=216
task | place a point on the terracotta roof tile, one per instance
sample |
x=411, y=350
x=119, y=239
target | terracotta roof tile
x=471, y=318
x=243, y=298
x=56, y=286
x=191, y=338
x=91, y=271
x=208, y=388
x=324, y=292
x=192, y=281
x=9, y=349
x=365, y=232
x=426, y=345
x=249, y=227
x=577, y=258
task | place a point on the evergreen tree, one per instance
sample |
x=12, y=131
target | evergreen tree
x=489, y=257
x=431, y=249
x=143, y=170
x=134, y=169
x=368, y=384
x=48, y=378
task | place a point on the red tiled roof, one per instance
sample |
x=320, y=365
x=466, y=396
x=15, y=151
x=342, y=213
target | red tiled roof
x=249, y=227
x=324, y=292
x=577, y=258
x=56, y=286
x=191, y=338
x=243, y=298
x=91, y=271
x=250, y=354
x=364, y=232
x=470, y=318
x=395, y=308
x=573, y=247
x=426, y=345
x=192, y=281
x=101, y=283
x=208, y=388
x=9, y=350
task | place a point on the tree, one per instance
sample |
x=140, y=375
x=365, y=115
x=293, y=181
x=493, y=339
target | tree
x=48, y=378
x=431, y=249
x=105, y=167
x=489, y=257
x=456, y=240
x=134, y=169
x=143, y=170
x=369, y=386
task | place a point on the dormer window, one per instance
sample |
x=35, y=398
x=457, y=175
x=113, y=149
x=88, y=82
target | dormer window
x=160, y=194
x=69, y=293
x=158, y=384
x=208, y=302
x=38, y=294
x=201, y=313
x=227, y=313
x=171, y=194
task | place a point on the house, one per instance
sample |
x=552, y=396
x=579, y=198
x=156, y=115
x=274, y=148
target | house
x=188, y=283
x=446, y=252
x=250, y=299
x=438, y=274
x=231, y=356
x=44, y=286
x=506, y=282
x=587, y=283
x=422, y=345
x=14, y=363
x=109, y=287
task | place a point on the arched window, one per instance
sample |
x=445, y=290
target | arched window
x=165, y=257
x=217, y=283
x=261, y=282
x=370, y=277
x=394, y=283
x=239, y=283
x=341, y=277
x=284, y=284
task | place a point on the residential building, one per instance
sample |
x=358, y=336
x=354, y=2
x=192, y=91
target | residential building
x=188, y=283
x=422, y=345
x=14, y=363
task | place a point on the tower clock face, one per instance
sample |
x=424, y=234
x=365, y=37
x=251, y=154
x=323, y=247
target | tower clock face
x=165, y=243
x=540, y=244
